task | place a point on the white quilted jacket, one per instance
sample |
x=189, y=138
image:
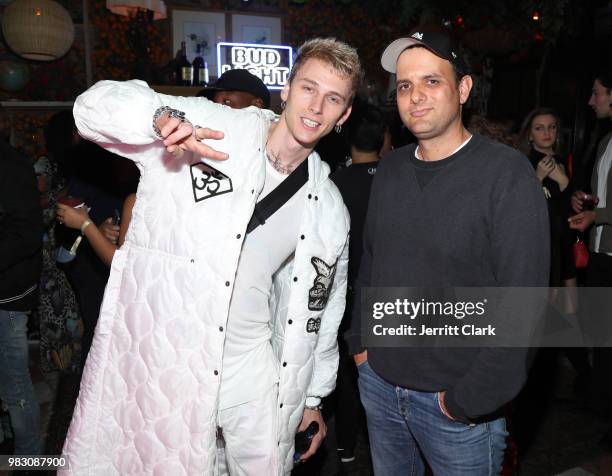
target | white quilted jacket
x=148, y=397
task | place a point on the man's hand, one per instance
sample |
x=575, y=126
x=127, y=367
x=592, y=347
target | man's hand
x=110, y=231
x=441, y=396
x=579, y=198
x=581, y=221
x=179, y=137
x=308, y=417
x=360, y=358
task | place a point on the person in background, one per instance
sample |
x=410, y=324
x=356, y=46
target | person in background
x=104, y=240
x=539, y=139
x=367, y=136
x=237, y=88
x=59, y=314
x=61, y=326
x=498, y=129
x=21, y=230
x=595, y=213
x=101, y=180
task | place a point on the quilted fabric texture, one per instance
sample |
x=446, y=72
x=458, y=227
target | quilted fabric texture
x=148, y=397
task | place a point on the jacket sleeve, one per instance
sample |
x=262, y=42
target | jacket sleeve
x=21, y=227
x=119, y=117
x=520, y=249
x=603, y=215
x=325, y=367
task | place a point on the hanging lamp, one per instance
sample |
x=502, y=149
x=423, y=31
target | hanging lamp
x=38, y=29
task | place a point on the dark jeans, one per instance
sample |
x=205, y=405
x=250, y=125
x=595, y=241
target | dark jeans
x=407, y=427
x=16, y=389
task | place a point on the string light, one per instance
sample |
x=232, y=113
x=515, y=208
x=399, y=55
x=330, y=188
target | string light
x=535, y=16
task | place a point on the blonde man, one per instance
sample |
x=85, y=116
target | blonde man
x=202, y=327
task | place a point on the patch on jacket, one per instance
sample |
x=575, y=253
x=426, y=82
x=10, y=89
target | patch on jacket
x=319, y=293
x=208, y=182
x=313, y=325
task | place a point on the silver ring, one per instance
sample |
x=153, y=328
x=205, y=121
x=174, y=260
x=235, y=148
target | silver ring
x=184, y=120
x=195, y=130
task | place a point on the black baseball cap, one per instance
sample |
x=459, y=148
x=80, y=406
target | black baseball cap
x=439, y=43
x=238, y=80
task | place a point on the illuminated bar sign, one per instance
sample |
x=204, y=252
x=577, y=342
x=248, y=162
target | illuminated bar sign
x=270, y=63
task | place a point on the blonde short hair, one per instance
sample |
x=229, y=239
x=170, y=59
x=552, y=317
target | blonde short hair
x=342, y=58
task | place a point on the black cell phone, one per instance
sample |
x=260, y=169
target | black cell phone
x=303, y=440
x=116, y=217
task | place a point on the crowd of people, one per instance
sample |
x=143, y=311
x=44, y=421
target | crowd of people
x=210, y=300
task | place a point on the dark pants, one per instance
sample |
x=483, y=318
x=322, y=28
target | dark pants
x=599, y=273
x=348, y=409
x=88, y=277
x=16, y=389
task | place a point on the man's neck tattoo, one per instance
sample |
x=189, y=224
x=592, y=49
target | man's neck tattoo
x=275, y=162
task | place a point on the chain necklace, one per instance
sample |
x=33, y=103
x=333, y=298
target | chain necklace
x=276, y=163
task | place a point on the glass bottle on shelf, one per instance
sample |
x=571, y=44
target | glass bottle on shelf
x=184, y=69
x=200, y=69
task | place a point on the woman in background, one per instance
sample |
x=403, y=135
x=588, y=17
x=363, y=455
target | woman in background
x=539, y=140
x=104, y=240
x=61, y=326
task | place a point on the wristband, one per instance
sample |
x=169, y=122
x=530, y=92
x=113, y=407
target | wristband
x=85, y=224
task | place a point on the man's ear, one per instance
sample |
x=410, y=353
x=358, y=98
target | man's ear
x=285, y=92
x=345, y=115
x=257, y=102
x=465, y=86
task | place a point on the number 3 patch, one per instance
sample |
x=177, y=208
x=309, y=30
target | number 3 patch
x=208, y=182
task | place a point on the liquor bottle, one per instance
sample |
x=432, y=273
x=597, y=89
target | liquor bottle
x=184, y=70
x=199, y=69
x=176, y=62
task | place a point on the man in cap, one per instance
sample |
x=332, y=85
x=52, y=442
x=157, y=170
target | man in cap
x=237, y=88
x=456, y=209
